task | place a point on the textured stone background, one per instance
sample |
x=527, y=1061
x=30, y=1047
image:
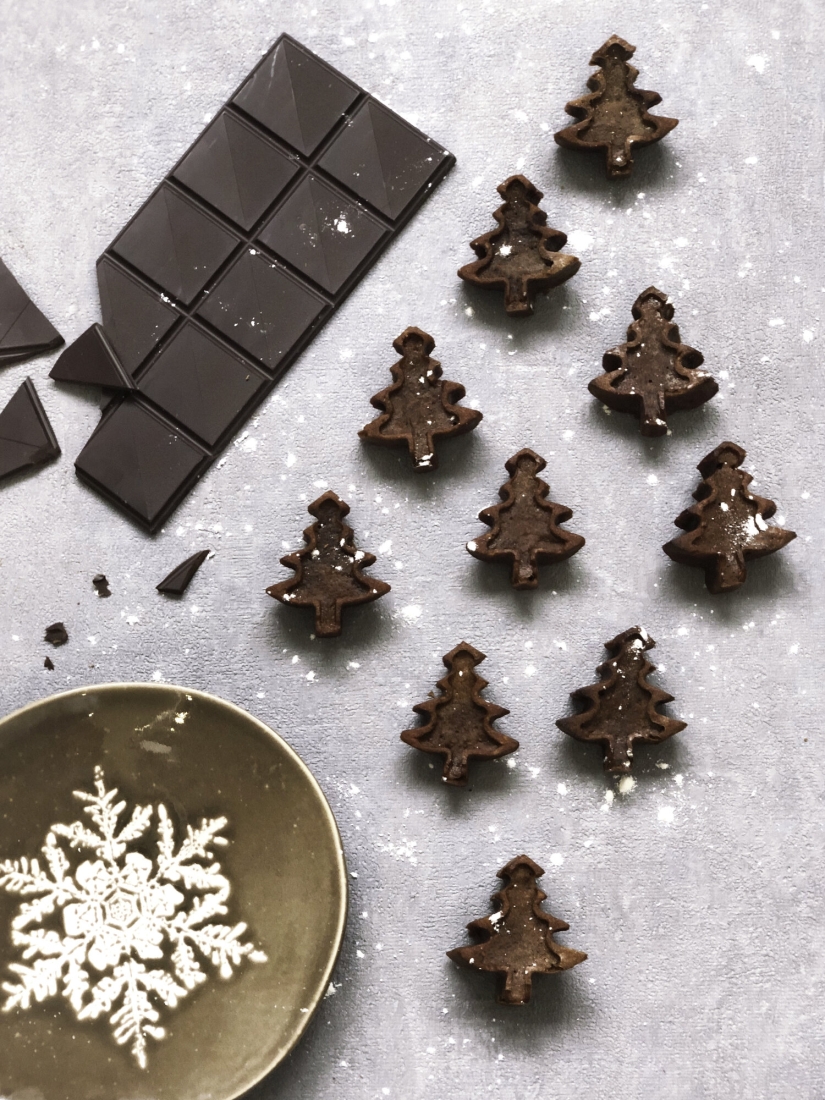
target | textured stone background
x=699, y=894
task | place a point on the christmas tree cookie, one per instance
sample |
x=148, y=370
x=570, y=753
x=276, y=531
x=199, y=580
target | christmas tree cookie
x=622, y=708
x=615, y=117
x=653, y=374
x=420, y=406
x=520, y=257
x=517, y=942
x=459, y=725
x=328, y=570
x=525, y=531
x=726, y=527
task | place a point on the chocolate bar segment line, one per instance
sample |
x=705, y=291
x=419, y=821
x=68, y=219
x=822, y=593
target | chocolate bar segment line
x=238, y=258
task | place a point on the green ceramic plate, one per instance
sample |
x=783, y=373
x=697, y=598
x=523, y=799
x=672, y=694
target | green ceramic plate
x=172, y=897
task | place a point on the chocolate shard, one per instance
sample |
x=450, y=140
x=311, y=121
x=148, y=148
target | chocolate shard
x=92, y=360
x=522, y=256
x=26, y=436
x=525, y=528
x=517, y=941
x=48, y=664
x=56, y=634
x=653, y=374
x=419, y=407
x=459, y=725
x=615, y=117
x=727, y=527
x=235, y=262
x=24, y=331
x=329, y=569
x=176, y=582
x=622, y=709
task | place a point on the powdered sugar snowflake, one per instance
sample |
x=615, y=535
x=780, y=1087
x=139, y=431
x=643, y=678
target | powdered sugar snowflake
x=91, y=929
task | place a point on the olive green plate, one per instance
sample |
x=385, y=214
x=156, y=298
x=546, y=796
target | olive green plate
x=124, y=926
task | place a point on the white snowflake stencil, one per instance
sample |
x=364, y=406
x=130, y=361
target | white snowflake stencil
x=117, y=911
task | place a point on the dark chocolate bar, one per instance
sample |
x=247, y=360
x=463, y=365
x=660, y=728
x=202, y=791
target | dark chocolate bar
x=235, y=262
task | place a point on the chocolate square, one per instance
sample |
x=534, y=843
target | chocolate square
x=382, y=159
x=139, y=461
x=200, y=383
x=321, y=233
x=236, y=169
x=175, y=244
x=296, y=95
x=135, y=317
x=261, y=308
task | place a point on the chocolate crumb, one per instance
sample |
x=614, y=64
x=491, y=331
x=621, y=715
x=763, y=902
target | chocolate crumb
x=101, y=585
x=56, y=634
x=48, y=664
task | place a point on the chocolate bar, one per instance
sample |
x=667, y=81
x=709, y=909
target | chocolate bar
x=231, y=267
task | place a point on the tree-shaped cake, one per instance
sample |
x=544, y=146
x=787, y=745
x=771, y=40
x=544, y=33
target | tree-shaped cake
x=328, y=570
x=517, y=940
x=420, y=406
x=525, y=529
x=727, y=527
x=522, y=255
x=615, y=117
x=622, y=708
x=653, y=374
x=459, y=725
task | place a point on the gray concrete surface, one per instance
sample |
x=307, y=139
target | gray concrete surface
x=698, y=895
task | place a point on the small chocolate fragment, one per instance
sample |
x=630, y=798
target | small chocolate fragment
x=26, y=436
x=525, y=528
x=622, y=708
x=517, y=940
x=419, y=407
x=232, y=266
x=48, y=664
x=615, y=116
x=328, y=570
x=727, y=527
x=24, y=331
x=460, y=721
x=56, y=634
x=522, y=256
x=101, y=585
x=91, y=360
x=653, y=374
x=176, y=582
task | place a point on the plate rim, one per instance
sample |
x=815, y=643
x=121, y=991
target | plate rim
x=341, y=865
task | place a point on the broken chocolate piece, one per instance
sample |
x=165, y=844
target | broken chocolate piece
x=419, y=407
x=460, y=721
x=48, y=664
x=101, y=585
x=91, y=359
x=56, y=634
x=622, y=708
x=522, y=256
x=24, y=331
x=615, y=116
x=26, y=436
x=232, y=266
x=525, y=528
x=176, y=582
x=653, y=374
x=517, y=940
x=328, y=570
x=727, y=527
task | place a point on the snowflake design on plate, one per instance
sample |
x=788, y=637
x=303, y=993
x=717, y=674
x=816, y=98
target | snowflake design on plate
x=119, y=911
